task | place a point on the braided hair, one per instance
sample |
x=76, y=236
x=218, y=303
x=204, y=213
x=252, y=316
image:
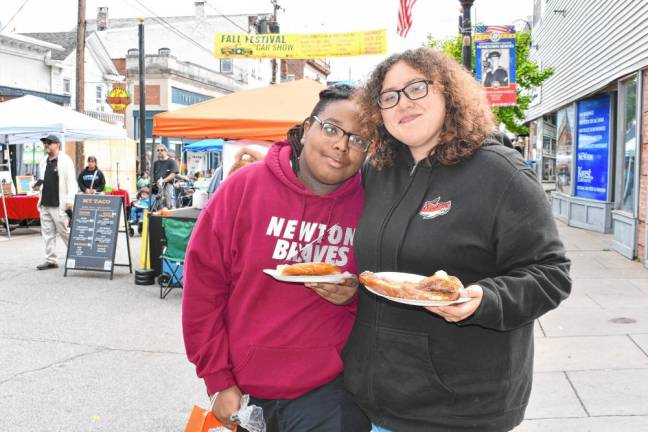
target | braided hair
x=333, y=93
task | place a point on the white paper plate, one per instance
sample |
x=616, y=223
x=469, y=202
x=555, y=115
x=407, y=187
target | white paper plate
x=410, y=277
x=334, y=278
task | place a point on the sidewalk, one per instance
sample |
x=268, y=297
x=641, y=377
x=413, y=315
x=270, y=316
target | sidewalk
x=591, y=358
x=84, y=353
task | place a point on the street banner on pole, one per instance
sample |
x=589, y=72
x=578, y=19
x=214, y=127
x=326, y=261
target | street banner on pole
x=300, y=46
x=495, y=63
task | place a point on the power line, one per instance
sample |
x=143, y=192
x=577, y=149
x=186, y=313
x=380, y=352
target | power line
x=172, y=28
x=14, y=16
x=226, y=17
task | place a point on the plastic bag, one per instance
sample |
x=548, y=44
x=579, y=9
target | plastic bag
x=249, y=416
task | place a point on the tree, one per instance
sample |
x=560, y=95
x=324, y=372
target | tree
x=528, y=76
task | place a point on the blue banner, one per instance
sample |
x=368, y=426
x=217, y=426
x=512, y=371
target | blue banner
x=593, y=148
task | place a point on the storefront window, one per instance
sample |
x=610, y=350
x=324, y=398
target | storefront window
x=629, y=142
x=564, y=148
x=549, y=148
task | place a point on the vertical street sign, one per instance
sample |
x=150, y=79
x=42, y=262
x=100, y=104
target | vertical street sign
x=495, y=63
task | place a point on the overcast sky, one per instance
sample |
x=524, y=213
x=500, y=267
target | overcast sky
x=438, y=17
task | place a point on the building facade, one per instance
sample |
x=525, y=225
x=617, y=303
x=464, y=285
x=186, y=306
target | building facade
x=586, y=120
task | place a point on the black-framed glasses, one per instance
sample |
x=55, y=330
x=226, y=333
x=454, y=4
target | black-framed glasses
x=413, y=91
x=160, y=150
x=335, y=133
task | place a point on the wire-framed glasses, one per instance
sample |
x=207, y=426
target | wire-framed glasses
x=413, y=91
x=334, y=133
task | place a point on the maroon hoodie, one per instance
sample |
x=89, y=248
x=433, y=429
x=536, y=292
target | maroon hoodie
x=274, y=340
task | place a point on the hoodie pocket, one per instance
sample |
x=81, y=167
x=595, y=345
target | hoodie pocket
x=406, y=381
x=286, y=373
x=357, y=358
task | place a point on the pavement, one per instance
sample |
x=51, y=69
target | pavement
x=84, y=353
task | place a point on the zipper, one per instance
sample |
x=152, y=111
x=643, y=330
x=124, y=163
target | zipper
x=378, y=306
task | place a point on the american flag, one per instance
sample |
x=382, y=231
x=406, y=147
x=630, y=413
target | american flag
x=496, y=28
x=404, y=16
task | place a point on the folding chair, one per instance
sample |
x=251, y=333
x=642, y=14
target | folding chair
x=176, y=234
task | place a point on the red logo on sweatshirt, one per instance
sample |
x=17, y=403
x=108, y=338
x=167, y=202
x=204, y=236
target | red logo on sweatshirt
x=435, y=208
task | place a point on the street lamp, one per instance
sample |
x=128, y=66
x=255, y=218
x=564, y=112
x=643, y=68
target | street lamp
x=466, y=30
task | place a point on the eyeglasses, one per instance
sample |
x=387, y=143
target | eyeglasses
x=413, y=91
x=161, y=150
x=334, y=133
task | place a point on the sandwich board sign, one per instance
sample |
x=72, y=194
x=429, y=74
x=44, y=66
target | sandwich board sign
x=93, y=233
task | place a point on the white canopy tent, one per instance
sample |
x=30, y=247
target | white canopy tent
x=29, y=118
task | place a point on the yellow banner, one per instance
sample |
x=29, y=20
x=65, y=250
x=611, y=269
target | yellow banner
x=300, y=46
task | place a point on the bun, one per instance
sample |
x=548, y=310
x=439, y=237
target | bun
x=438, y=287
x=308, y=269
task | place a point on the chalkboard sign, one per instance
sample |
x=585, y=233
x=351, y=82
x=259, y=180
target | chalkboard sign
x=93, y=234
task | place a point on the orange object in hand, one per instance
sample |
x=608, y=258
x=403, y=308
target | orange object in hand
x=202, y=420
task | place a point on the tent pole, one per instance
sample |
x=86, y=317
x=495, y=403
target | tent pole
x=2, y=194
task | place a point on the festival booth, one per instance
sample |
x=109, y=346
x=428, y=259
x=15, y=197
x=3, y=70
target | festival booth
x=257, y=116
x=24, y=121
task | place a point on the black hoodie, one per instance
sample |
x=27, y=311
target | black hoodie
x=94, y=178
x=487, y=221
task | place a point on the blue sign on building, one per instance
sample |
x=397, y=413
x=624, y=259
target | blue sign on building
x=593, y=148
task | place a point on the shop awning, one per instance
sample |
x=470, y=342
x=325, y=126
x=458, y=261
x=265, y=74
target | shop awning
x=264, y=113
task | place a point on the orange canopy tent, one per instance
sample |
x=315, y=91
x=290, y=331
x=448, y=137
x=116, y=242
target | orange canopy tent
x=264, y=113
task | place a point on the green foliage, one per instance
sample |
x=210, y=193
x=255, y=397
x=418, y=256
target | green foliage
x=528, y=75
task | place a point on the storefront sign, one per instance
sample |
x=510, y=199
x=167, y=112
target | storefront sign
x=118, y=99
x=593, y=148
x=300, y=46
x=495, y=63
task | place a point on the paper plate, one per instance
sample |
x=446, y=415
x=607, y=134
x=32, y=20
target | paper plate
x=334, y=278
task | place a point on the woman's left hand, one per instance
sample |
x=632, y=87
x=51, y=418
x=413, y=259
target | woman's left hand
x=461, y=311
x=338, y=294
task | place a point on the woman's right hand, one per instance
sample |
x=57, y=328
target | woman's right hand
x=227, y=403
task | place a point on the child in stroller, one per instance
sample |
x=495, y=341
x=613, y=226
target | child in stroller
x=137, y=209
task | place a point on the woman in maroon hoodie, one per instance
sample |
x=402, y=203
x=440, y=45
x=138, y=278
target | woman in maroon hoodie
x=249, y=333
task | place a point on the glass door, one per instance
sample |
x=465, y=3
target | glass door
x=625, y=214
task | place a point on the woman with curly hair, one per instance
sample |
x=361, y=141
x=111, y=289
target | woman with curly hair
x=440, y=194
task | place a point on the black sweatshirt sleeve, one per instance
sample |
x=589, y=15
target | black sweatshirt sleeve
x=534, y=271
x=82, y=187
x=100, y=181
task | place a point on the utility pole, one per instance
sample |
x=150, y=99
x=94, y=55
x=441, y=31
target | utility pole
x=466, y=30
x=275, y=6
x=80, y=75
x=142, y=99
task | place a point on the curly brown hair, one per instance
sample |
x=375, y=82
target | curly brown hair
x=468, y=120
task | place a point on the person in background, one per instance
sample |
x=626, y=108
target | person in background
x=91, y=180
x=143, y=181
x=57, y=185
x=139, y=205
x=247, y=332
x=442, y=194
x=164, y=171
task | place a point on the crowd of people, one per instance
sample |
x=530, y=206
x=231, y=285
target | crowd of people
x=372, y=162
x=58, y=184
